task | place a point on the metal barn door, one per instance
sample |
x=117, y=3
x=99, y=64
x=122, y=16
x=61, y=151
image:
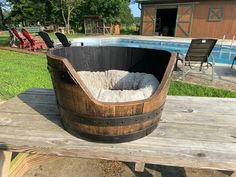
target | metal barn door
x=184, y=20
x=149, y=21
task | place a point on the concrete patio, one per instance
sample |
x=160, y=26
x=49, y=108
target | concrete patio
x=224, y=77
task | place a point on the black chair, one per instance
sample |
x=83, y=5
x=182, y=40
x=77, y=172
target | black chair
x=198, y=53
x=233, y=62
x=46, y=39
x=63, y=39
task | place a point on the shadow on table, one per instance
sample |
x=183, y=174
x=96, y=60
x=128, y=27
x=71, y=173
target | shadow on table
x=165, y=171
x=228, y=173
x=170, y=171
x=42, y=101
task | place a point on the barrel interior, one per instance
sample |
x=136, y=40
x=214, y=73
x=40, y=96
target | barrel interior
x=104, y=58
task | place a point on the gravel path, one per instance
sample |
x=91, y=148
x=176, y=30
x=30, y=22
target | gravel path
x=2, y=101
x=71, y=167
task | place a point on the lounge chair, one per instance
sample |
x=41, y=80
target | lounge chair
x=12, y=40
x=198, y=53
x=35, y=43
x=64, y=41
x=233, y=62
x=49, y=42
x=23, y=41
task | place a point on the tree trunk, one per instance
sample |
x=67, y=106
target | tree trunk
x=66, y=13
x=2, y=21
x=63, y=14
x=68, y=21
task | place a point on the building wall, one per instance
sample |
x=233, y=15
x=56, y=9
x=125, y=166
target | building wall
x=201, y=27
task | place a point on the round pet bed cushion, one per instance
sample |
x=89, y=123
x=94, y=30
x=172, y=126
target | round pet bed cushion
x=119, y=86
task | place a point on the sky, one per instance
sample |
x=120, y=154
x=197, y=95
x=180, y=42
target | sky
x=135, y=10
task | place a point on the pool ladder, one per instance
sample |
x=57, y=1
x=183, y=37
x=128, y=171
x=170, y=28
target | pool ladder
x=232, y=42
x=223, y=40
x=230, y=46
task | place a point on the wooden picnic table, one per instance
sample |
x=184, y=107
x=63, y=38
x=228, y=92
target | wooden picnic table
x=194, y=132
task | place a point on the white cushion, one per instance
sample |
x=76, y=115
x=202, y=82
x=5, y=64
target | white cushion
x=119, y=86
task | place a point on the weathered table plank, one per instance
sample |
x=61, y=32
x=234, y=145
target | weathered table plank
x=194, y=132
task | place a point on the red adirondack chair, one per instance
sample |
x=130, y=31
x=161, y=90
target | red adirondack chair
x=23, y=41
x=35, y=43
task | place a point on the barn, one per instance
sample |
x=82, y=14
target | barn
x=188, y=18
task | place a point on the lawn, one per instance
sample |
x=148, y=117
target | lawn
x=75, y=35
x=185, y=89
x=20, y=72
x=4, y=38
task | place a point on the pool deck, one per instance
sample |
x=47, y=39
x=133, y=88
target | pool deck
x=225, y=77
x=152, y=38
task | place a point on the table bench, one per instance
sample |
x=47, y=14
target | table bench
x=195, y=132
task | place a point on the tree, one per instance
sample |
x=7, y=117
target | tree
x=69, y=12
x=67, y=7
x=126, y=16
x=3, y=6
x=53, y=12
x=1, y=17
x=110, y=10
x=27, y=12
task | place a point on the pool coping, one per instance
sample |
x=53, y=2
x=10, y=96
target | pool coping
x=153, y=38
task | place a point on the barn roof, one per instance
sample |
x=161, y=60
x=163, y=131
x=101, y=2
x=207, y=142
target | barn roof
x=160, y=1
x=172, y=1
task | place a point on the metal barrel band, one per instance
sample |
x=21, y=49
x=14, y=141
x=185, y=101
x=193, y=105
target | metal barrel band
x=111, y=139
x=111, y=121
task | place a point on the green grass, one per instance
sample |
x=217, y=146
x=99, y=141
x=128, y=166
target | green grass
x=131, y=30
x=20, y=72
x=4, y=38
x=76, y=35
x=185, y=89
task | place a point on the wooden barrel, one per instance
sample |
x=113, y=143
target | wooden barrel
x=86, y=117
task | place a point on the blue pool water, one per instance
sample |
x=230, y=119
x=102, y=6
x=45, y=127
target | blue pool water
x=223, y=54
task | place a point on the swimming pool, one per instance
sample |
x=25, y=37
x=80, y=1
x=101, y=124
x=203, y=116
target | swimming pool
x=221, y=53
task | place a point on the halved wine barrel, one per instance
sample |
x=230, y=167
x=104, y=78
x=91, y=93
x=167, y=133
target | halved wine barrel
x=84, y=116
